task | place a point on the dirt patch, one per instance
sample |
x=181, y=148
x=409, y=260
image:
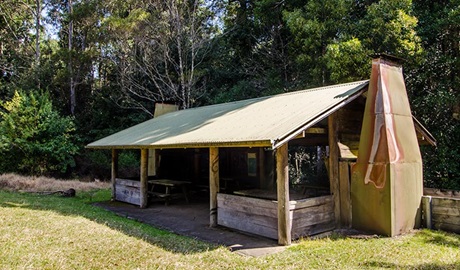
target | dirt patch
x=14, y=182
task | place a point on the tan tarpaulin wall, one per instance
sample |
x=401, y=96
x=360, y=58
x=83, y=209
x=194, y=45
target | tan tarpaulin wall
x=387, y=180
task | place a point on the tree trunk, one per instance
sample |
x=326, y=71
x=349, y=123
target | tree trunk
x=72, y=82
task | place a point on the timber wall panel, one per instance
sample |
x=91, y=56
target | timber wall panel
x=251, y=215
x=445, y=213
x=313, y=216
x=127, y=191
x=259, y=216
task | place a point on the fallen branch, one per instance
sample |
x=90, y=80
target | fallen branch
x=64, y=193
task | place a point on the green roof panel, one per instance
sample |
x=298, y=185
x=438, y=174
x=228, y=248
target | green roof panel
x=266, y=121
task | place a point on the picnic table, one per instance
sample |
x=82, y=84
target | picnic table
x=169, y=185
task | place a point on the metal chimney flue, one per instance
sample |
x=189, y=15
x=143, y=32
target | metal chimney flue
x=387, y=180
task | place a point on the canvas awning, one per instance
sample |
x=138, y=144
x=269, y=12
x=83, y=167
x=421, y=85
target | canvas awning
x=262, y=122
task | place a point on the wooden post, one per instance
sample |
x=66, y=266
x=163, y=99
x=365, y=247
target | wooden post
x=153, y=162
x=213, y=184
x=144, y=178
x=282, y=183
x=334, y=164
x=114, y=172
x=345, y=195
x=426, y=205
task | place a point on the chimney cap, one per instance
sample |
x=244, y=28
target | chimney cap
x=388, y=57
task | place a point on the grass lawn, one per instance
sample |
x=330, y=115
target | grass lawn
x=51, y=232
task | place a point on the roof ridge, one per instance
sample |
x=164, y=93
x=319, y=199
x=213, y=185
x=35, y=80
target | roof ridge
x=281, y=94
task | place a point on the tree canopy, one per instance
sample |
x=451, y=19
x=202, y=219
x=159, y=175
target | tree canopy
x=106, y=63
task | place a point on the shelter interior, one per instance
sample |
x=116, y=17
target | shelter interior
x=254, y=168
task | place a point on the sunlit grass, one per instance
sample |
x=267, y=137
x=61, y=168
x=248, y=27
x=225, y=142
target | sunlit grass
x=51, y=232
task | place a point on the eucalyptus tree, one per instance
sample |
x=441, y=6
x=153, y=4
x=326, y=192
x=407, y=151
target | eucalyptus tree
x=80, y=39
x=20, y=30
x=158, y=48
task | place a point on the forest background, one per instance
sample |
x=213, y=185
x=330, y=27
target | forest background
x=73, y=71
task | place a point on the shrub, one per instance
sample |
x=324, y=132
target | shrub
x=34, y=138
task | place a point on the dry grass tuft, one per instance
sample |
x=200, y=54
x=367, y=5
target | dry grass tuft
x=14, y=182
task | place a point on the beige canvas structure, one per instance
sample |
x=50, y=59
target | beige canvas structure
x=273, y=124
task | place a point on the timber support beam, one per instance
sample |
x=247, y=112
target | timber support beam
x=282, y=183
x=213, y=184
x=334, y=165
x=114, y=173
x=144, y=178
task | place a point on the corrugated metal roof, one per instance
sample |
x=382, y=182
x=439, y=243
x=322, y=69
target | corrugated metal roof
x=266, y=121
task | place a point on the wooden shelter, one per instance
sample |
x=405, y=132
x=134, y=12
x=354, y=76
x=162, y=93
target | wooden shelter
x=241, y=153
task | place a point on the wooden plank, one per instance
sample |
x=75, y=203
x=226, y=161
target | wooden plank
x=324, y=208
x=213, y=184
x=246, y=209
x=247, y=205
x=334, y=164
x=446, y=202
x=128, y=194
x=250, y=218
x=313, y=229
x=143, y=189
x=282, y=183
x=114, y=173
x=316, y=130
x=266, y=227
x=345, y=192
x=445, y=213
x=127, y=182
x=312, y=219
x=447, y=219
x=127, y=191
x=246, y=214
x=447, y=227
x=438, y=210
x=309, y=202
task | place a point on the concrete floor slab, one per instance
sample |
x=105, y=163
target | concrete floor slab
x=192, y=220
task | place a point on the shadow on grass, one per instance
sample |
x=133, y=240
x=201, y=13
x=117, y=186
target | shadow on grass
x=82, y=205
x=423, y=266
x=440, y=238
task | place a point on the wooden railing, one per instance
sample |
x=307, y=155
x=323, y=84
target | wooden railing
x=259, y=216
x=441, y=213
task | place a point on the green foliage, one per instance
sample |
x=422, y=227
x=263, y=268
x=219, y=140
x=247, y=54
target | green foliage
x=34, y=138
x=389, y=27
x=314, y=26
x=347, y=61
x=434, y=87
x=98, y=163
x=123, y=55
